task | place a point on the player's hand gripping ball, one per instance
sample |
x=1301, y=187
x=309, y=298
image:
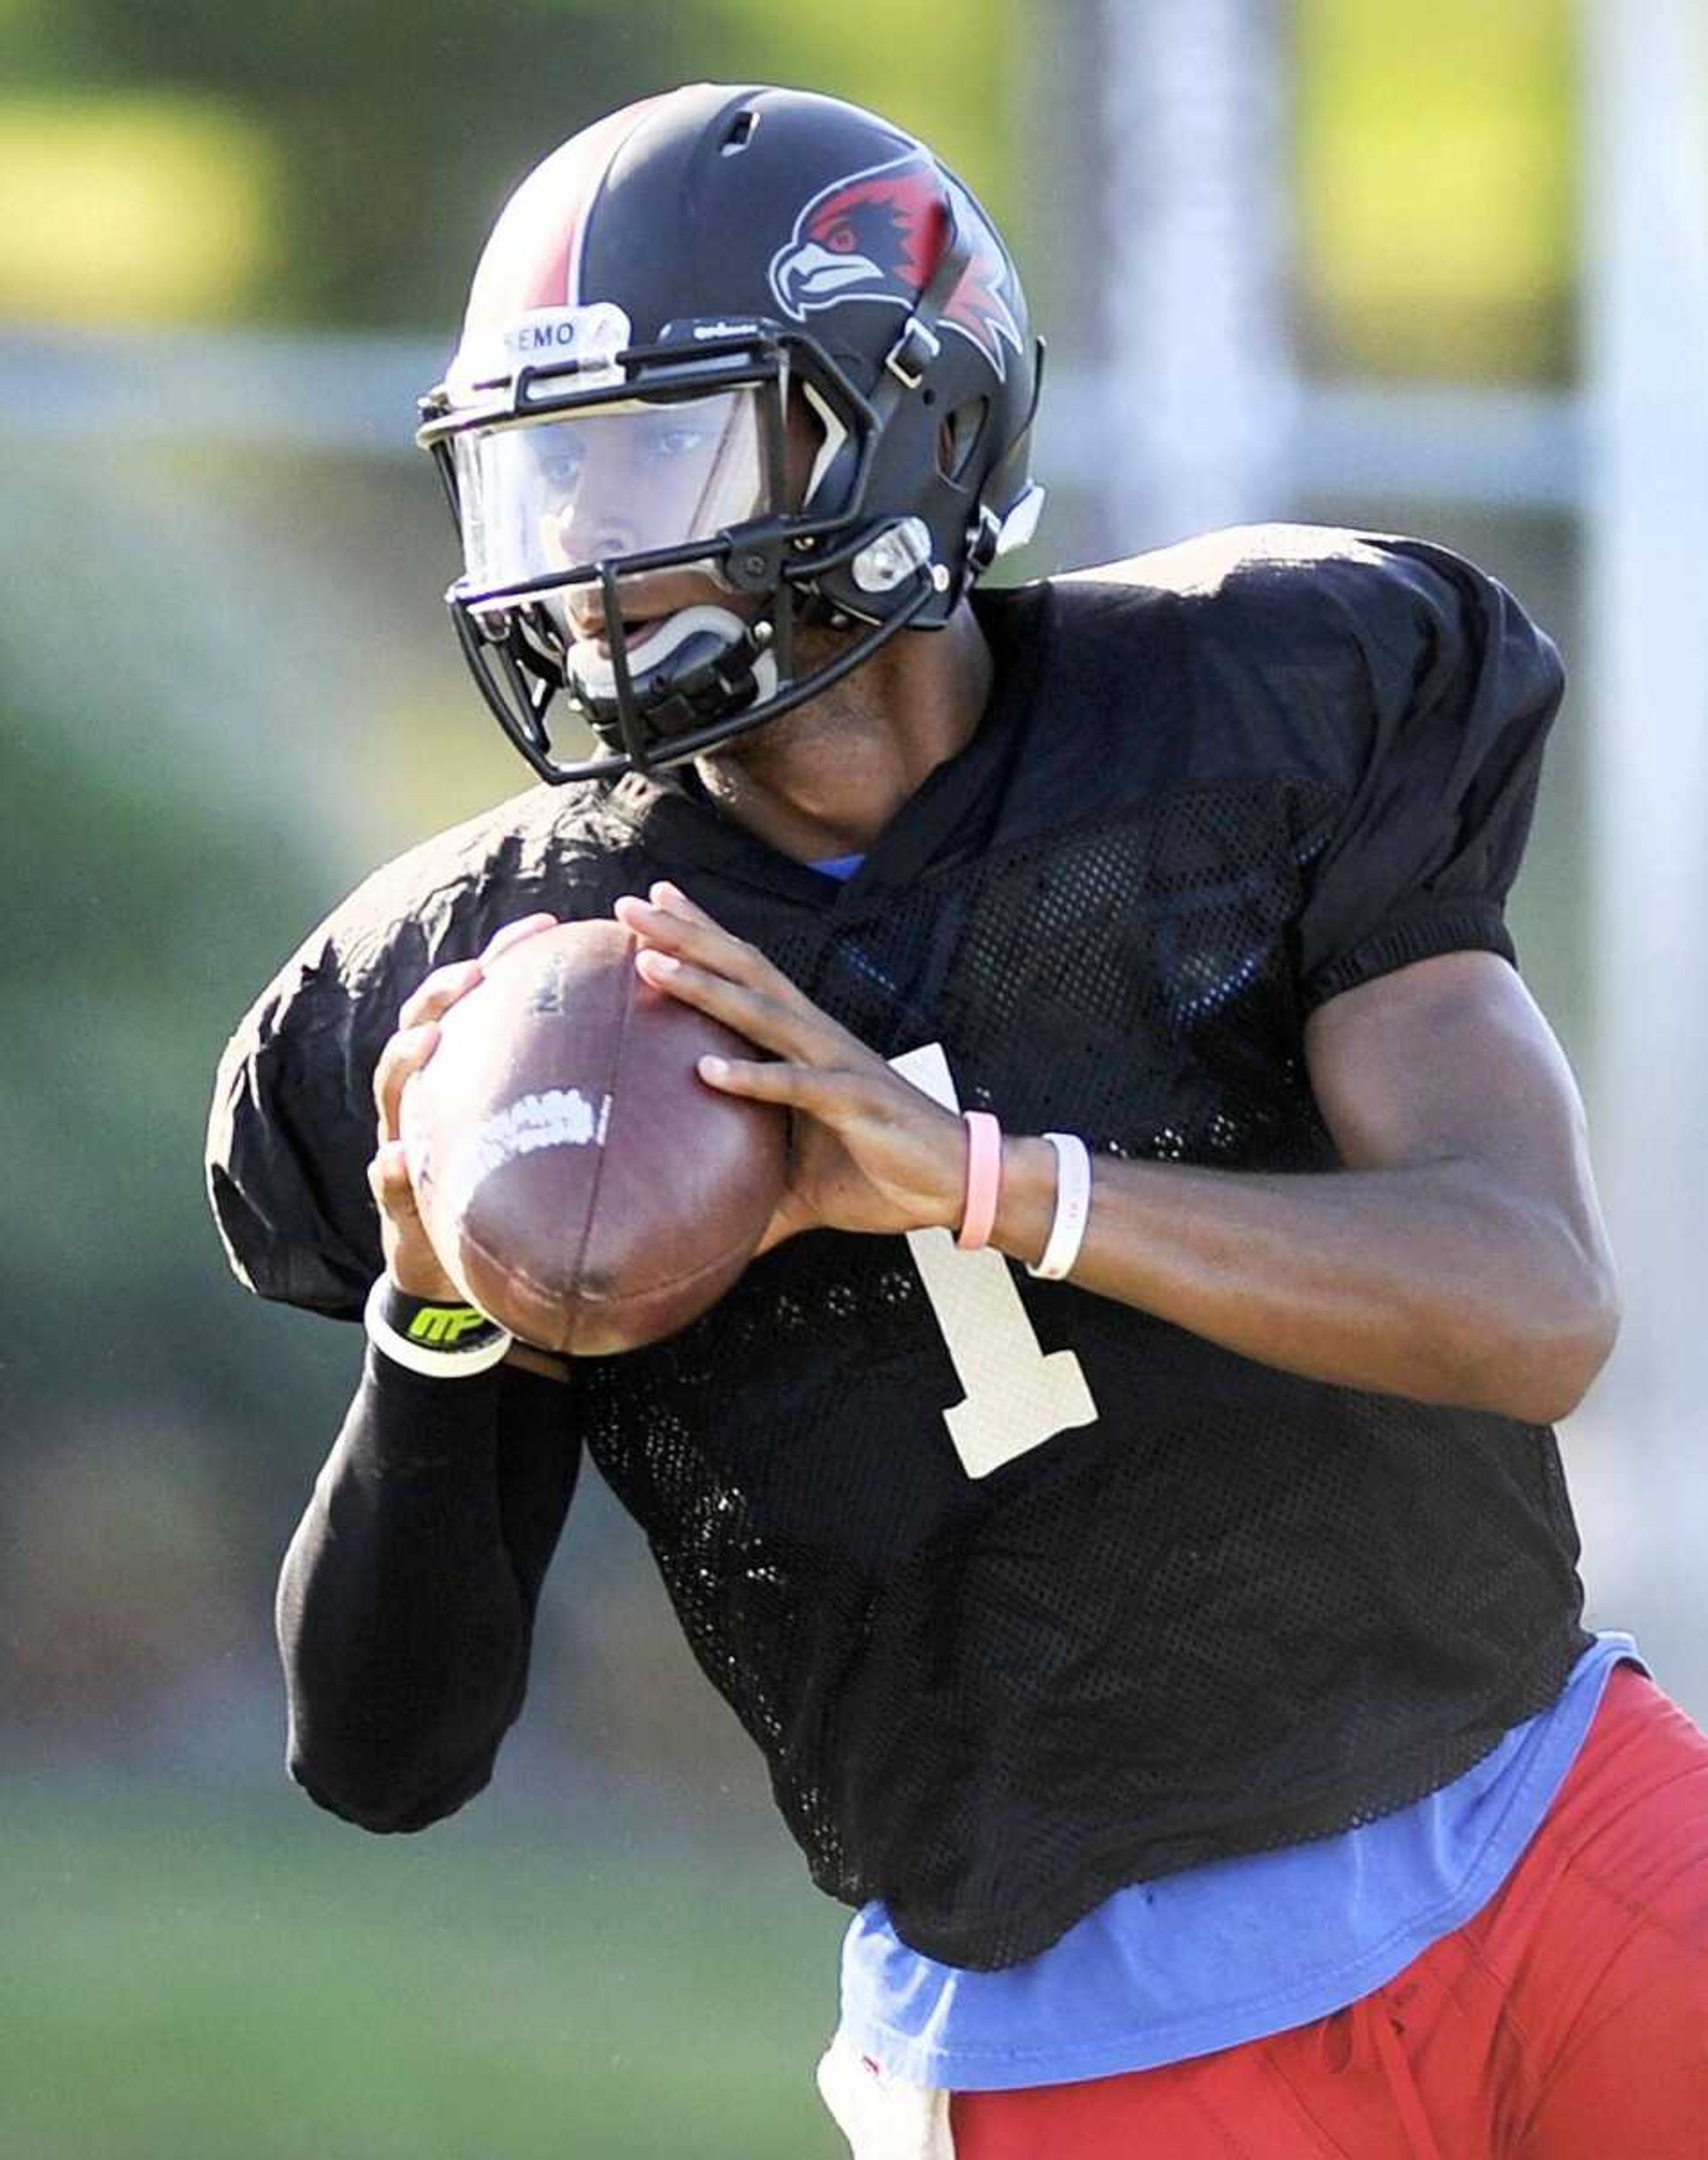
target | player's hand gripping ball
x=580, y=1183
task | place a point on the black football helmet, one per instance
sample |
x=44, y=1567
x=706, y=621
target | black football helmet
x=734, y=360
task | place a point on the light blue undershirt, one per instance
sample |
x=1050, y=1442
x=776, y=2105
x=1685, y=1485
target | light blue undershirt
x=1225, y=1953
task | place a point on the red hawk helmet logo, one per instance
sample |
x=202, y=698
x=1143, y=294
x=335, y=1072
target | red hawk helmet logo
x=878, y=234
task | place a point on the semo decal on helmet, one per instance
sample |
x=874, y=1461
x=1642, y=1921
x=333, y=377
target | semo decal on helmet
x=877, y=235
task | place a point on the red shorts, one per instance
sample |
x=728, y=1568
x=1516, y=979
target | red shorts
x=1567, y=2021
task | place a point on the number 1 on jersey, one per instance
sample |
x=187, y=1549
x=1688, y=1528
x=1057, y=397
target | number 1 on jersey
x=1018, y=1395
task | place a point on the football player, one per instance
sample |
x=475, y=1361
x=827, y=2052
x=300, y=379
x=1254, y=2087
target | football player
x=1119, y=1499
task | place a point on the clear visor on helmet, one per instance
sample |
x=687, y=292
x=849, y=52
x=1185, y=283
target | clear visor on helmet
x=551, y=496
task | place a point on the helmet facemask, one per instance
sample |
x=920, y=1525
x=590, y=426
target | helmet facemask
x=642, y=527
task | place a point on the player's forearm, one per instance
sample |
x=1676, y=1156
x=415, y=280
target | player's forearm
x=1422, y=1281
x=401, y=1623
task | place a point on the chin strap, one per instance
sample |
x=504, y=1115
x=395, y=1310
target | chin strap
x=892, y=553
x=905, y=362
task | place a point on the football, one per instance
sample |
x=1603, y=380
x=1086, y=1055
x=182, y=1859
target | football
x=584, y=1186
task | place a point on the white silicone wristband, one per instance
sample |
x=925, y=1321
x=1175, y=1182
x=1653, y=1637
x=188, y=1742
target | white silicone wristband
x=1073, y=1206
x=416, y=1356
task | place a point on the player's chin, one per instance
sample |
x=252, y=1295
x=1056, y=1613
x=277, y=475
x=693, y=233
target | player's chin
x=815, y=649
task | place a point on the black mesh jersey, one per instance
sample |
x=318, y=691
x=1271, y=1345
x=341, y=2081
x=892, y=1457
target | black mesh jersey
x=1197, y=1608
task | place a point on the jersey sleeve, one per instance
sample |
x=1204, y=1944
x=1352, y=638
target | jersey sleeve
x=290, y=1130
x=1442, y=693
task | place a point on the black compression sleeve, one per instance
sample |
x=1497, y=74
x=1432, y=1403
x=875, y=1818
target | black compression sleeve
x=407, y=1600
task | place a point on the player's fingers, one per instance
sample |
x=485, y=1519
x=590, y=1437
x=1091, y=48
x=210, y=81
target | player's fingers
x=406, y=1053
x=797, y=1031
x=513, y=934
x=698, y=938
x=390, y=1183
x=674, y=901
x=799, y=1087
x=435, y=994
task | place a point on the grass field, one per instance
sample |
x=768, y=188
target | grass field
x=184, y=1976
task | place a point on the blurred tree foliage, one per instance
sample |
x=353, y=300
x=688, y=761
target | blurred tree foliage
x=136, y=891
x=144, y=1410
x=395, y=131
x=1437, y=172
x=398, y=128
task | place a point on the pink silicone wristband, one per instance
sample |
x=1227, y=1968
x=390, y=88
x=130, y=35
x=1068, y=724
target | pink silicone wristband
x=983, y=1179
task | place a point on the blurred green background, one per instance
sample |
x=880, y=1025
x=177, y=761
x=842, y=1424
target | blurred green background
x=227, y=689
